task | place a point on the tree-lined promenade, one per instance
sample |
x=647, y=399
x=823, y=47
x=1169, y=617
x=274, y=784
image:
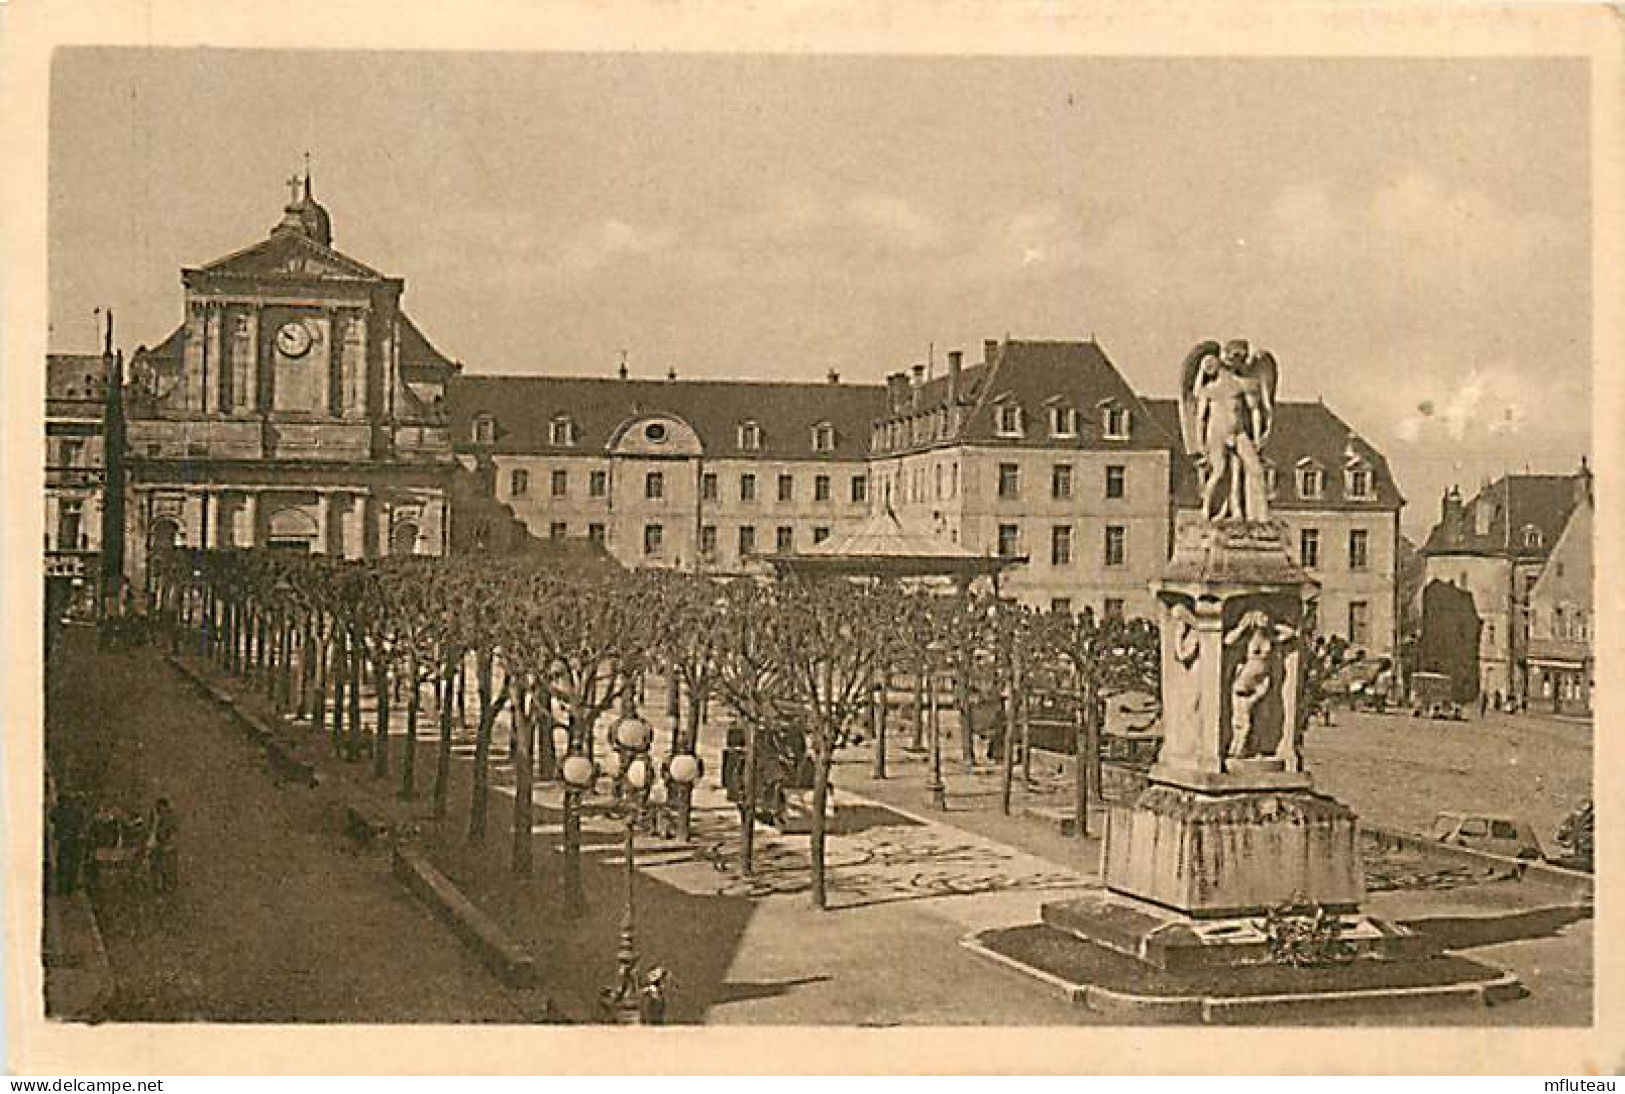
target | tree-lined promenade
x=561, y=648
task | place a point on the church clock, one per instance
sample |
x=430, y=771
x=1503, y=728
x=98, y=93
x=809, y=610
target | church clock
x=293, y=339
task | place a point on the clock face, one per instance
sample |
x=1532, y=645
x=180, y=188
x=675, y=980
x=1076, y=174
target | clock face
x=293, y=339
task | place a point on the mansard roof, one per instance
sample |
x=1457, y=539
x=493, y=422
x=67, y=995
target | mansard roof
x=523, y=408
x=1036, y=375
x=1301, y=432
x=1514, y=503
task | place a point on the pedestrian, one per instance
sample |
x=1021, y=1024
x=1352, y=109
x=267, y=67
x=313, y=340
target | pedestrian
x=1483, y=703
x=161, y=849
x=1497, y=701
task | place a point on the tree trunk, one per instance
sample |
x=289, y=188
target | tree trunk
x=352, y=740
x=442, y=763
x=1007, y=761
x=747, y=817
x=380, y=689
x=520, y=866
x=547, y=757
x=1026, y=743
x=917, y=711
x=479, y=804
x=877, y=720
x=414, y=696
x=683, y=793
x=967, y=725
x=820, y=800
x=336, y=672
x=1084, y=776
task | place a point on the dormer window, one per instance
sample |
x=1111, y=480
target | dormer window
x=1116, y=422
x=1008, y=420
x=1357, y=481
x=750, y=436
x=1311, y=481
x=485, y=429
x=1063, y=421
x=562, y=432
x=1271, y=480
x=1532, y=537
x=823, y=437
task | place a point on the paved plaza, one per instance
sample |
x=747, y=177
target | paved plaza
x=279, y=919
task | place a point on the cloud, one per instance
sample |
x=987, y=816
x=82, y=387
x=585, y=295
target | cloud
x=599, y=245
x=893, y=221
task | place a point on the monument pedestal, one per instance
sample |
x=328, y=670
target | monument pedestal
x=1230, y=828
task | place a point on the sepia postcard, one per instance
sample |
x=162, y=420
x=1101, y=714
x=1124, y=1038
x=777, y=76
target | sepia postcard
x=1038, y=539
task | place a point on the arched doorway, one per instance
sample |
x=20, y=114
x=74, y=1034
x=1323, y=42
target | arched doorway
x=403, y=538
x=291, y=529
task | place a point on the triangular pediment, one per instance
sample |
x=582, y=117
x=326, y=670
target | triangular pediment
x=291, y=254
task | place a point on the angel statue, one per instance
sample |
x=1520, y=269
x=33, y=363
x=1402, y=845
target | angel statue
x=1226, y=408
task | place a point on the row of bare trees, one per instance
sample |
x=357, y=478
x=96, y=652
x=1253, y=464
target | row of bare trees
x=560, y=647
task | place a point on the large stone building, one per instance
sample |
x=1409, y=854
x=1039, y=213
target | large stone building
x=1496, y=547
x=75, y=401
x=297, y=406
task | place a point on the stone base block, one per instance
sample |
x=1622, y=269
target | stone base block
x=1176, y=943
x=1211, y=856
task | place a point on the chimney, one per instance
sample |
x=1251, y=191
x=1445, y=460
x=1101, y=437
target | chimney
x=896, y=391
x=990, y=349
x=833, y=377
x=955, y=363
x=622, y=371
x=671, y=374
x=917, y=384
x=1452, y=515
x=1582, y=482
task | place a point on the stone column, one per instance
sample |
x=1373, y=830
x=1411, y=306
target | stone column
x=256, y=373
x=195, y=365
x=355, y=526
x=324, y=520
x=355, y=361
x=217, y=362
x=209, y=527
x=324, y=382
x=251, y=518
x=244, y=395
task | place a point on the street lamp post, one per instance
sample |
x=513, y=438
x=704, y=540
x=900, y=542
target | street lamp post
x=632, y=998
x=939, y=789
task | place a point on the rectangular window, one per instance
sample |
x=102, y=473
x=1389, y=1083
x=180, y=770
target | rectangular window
x=1113, y=607
x=1309, y=548
x=953, y=480
x=1117, y=423
x=561, y=483
x=598, y=484
x=787, y=488
x=558, y=530
x=1060, y=545
x=519, y=483
x=1061, y=605
x=750, y=436
x=747, y=541
x=654, y=538
x=1359, y=624
x=1009, y=540
x=784, y=540
x=1063, y=421
x=485, y=426
x=747, y=487
x=69, y=514
x=708, y=486
x=821, y=488
x=708, y=541
x=1116, y=545
x=1311, y=482
x=937, y=474
x=654, y=485
x=1060, y=481
x=595, y=534
x=1116, y=480
x=1009, y=480
x=820, y=533
x=563, y=432
x=1359, y=548
x=1359, y=483
x=860, y=489
x=823, y=438
x=1009, y=420
x=70, y=451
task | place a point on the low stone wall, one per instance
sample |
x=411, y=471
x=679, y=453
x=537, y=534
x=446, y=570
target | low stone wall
x=506, y=959
x=1573, y=884
x=281, y=753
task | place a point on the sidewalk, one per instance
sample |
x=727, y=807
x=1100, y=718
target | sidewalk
x=78, y=978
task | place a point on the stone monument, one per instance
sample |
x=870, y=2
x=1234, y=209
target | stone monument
x=1229, y=825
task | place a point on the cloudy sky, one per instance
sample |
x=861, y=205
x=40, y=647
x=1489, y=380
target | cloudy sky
x=1411, y=238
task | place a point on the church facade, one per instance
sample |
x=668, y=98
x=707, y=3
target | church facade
x=297, y=406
